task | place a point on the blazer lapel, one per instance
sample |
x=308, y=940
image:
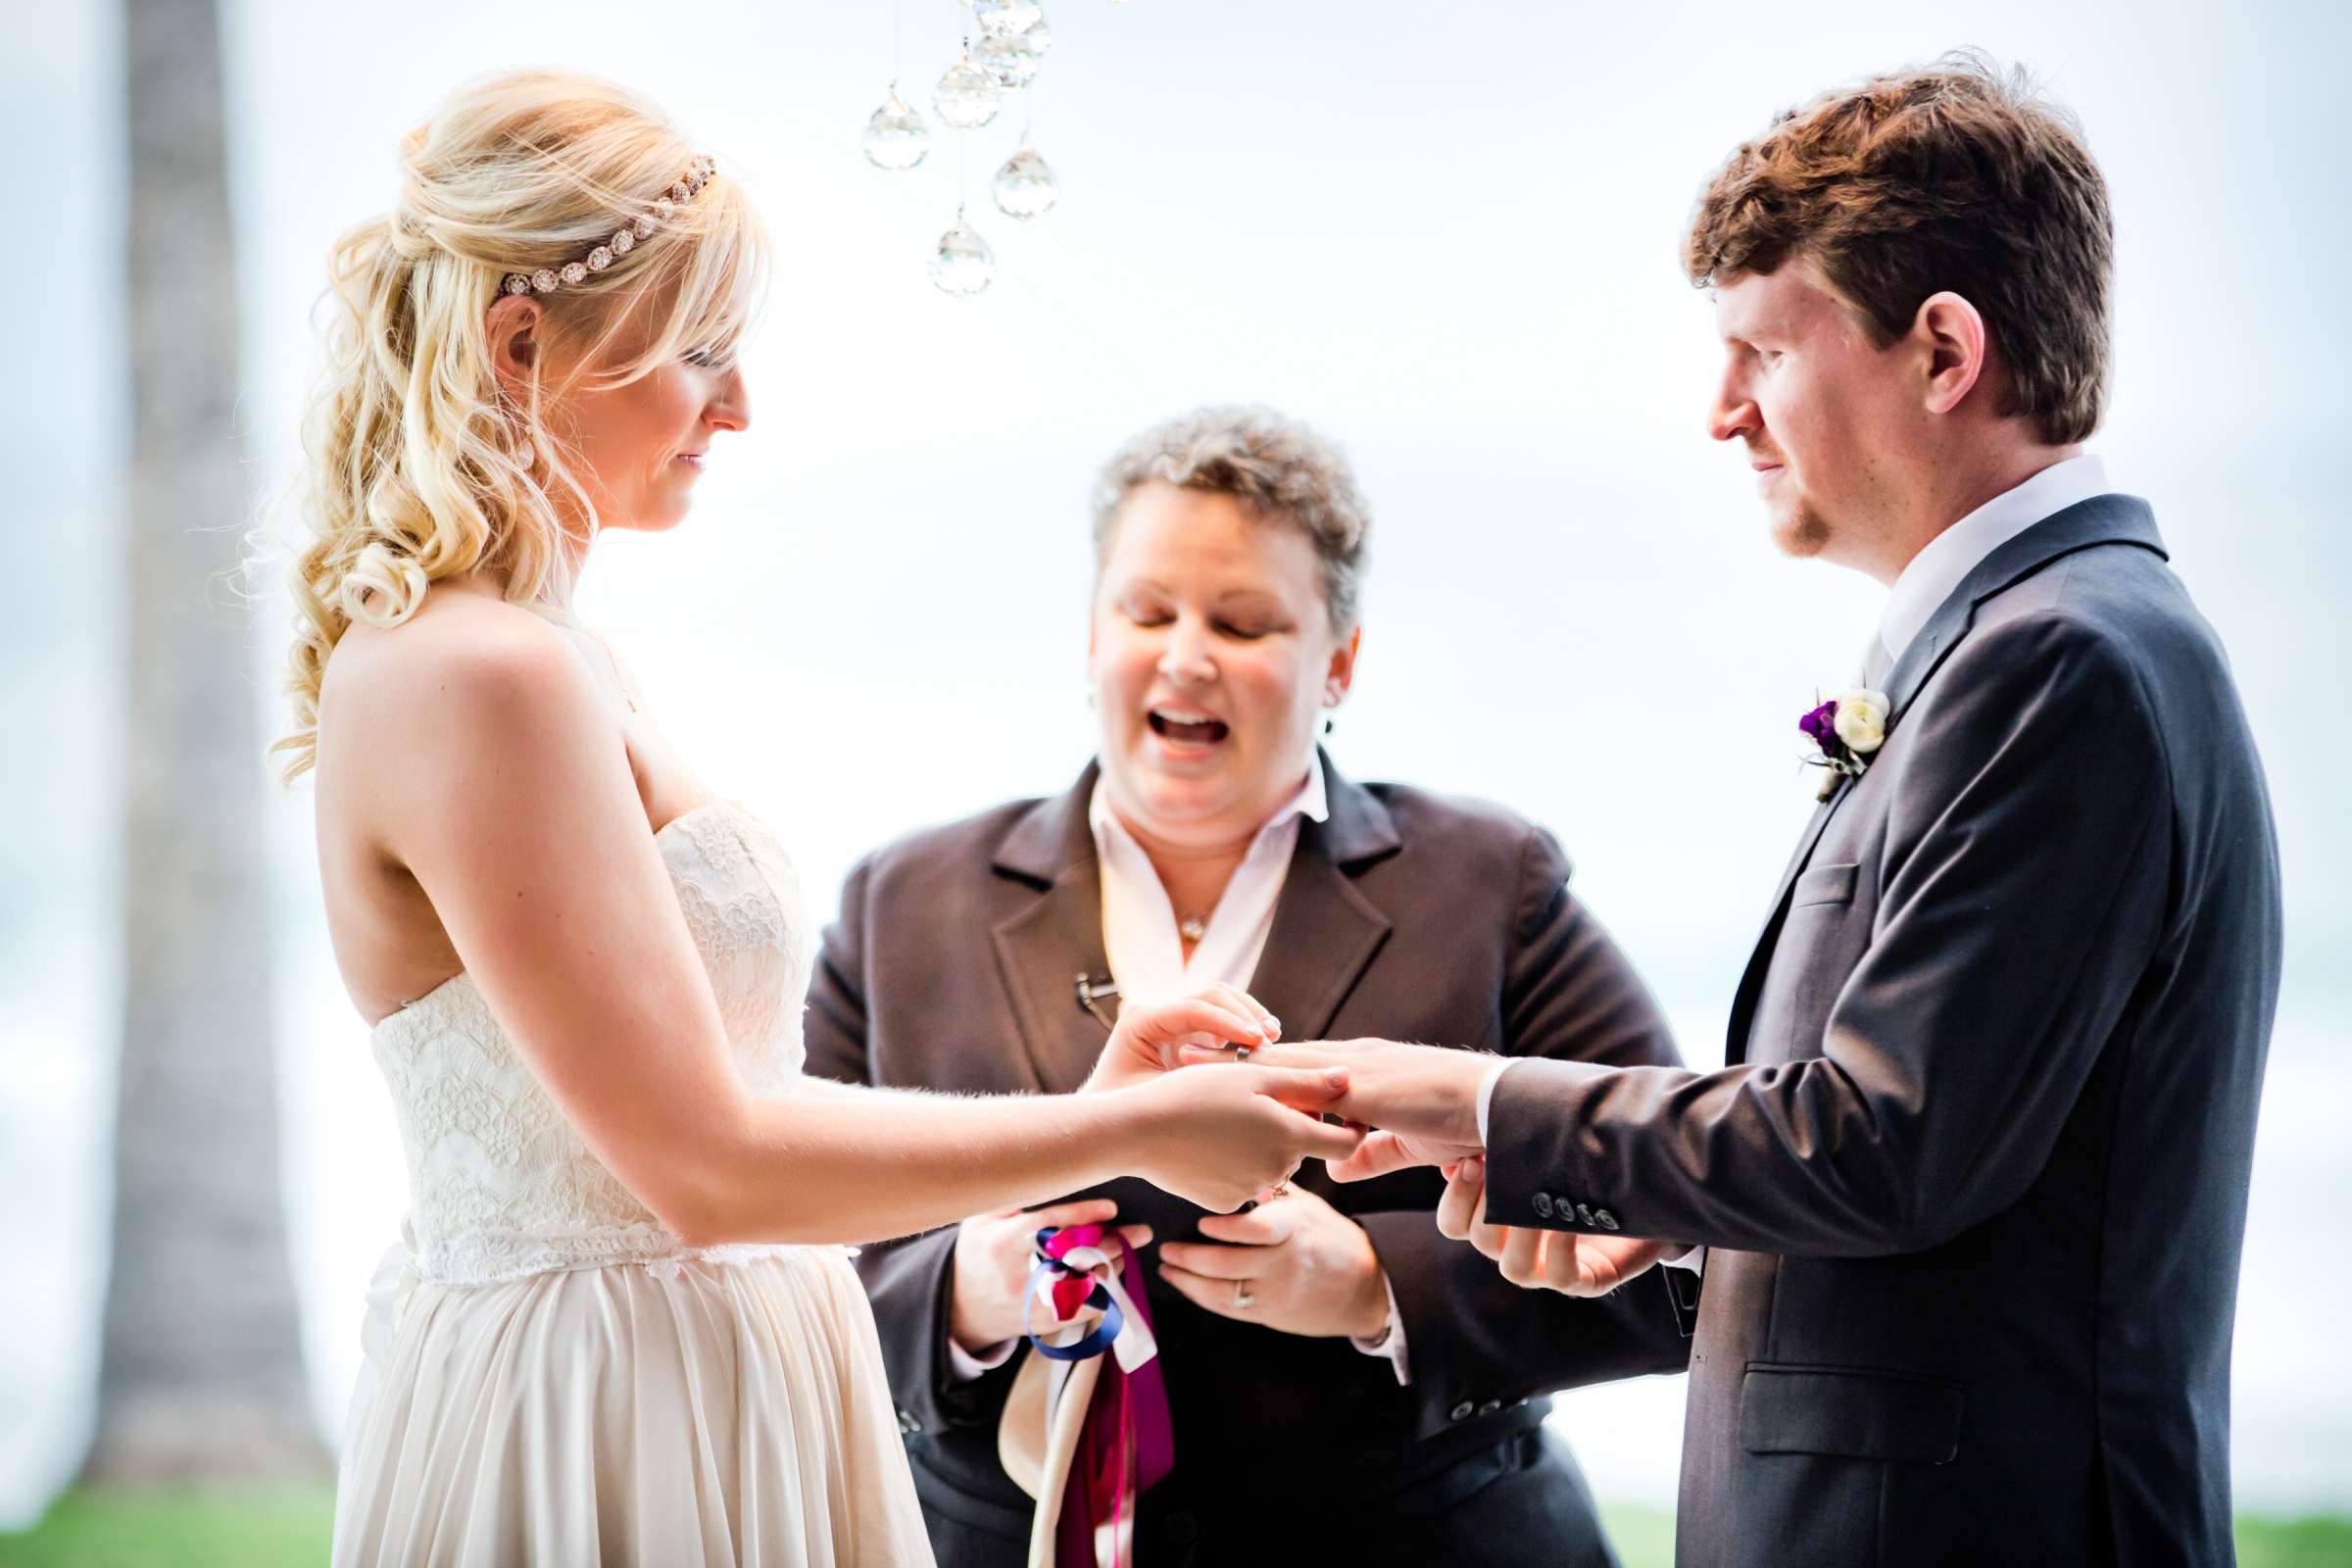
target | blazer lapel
x=1325, y=931
x=2099, y=520
x=1043, y=950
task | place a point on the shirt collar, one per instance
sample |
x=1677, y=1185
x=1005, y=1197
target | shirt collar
x=1312, y=801
x=1928, y=580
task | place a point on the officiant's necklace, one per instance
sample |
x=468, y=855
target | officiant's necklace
x=1192, y=928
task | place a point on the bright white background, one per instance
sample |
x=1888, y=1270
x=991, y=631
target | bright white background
x=1444, y=234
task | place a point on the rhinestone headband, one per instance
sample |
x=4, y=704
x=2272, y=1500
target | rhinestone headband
x=547, y=279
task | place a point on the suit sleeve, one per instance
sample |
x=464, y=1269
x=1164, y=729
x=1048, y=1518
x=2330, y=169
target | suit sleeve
x=908, y=1279
x=1475, y=1337
x=2023, y=891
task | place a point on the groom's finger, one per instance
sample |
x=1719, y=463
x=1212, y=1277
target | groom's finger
x=1464, y=1198
x=1386, y=1151
x=1311, y=1090
x=1568, y=1269
x=1488, y=1239
x=1521, y=1259
x=1264, y=1056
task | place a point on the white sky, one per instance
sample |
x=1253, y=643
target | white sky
x=1447, y=235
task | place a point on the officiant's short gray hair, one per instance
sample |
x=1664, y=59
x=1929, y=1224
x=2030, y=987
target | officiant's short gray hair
x=1275, y=466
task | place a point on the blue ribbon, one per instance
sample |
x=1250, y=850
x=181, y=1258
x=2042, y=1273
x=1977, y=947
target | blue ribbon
x=1098, y=1338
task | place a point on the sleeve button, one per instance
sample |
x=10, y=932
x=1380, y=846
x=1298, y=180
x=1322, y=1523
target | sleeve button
x=1462, y=1412
x=1543, y=1204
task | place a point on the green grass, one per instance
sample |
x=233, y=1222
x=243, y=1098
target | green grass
x=283, y=1529
x=172, y=1529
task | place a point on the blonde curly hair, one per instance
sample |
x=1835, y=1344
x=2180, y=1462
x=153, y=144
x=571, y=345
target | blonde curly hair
x=418, y=467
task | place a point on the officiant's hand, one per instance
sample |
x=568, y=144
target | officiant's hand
x=1302, y=1266
x=992, y=1258
x=1423, y=1099
x=1567, y=1261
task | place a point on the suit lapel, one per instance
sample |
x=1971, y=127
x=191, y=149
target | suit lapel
x=1325, y=931
x=2099, y=520
x=1043, y=950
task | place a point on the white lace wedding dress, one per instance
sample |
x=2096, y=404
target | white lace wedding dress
x=551, y=1377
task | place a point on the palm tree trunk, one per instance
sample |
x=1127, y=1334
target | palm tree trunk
x=201, y=1372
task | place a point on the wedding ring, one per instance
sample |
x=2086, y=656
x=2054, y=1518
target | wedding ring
x=1241, y=1054
x=1242, y=1298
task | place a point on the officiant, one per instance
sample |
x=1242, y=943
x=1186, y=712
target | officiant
x=1340, y=1380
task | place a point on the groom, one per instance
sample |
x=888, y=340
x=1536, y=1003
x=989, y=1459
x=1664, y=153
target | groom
x=1974, y=1184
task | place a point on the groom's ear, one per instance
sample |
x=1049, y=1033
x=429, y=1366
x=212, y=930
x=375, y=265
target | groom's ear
x=1340, y=677
x=1950, y=333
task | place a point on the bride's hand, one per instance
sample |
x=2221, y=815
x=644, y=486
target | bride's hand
x=1144, y=1044
x=1219, y=1138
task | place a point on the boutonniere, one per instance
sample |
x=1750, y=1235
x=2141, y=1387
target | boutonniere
x=1845, y=731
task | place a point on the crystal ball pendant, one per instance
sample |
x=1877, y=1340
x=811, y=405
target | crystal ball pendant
x=963, y=265
x=1013, y=60
x=1025, y=187
x=1002, y=19
x=966, y=97
x=896, y=137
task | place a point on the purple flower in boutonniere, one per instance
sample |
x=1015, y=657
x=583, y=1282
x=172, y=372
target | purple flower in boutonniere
x=1845, y=731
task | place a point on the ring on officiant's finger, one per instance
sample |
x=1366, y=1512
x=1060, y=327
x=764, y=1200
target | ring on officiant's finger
x=1241, y=1297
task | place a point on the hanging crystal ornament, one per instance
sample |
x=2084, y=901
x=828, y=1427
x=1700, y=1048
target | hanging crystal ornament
x=966, y=97
x=1002, y=19
x=896, y=137
x=964, y=264
x=1014, y=59
x=1025, y=187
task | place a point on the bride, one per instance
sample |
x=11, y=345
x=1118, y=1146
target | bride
x=621, y=1325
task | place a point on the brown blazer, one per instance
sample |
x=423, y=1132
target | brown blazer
x=951, y=966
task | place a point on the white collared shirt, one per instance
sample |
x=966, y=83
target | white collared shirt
x=1928, y=581
x=1144, y=947
x=1140, y=932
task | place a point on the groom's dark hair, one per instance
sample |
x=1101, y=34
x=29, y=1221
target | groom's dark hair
x=1956, y=175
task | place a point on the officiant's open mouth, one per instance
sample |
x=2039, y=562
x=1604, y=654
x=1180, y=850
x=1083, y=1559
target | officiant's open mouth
x=1188, y=729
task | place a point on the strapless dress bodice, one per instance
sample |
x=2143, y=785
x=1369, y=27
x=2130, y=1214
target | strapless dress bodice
x=500, y=1183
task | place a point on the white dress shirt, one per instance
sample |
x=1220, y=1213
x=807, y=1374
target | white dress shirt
x=1923, y=586
x=1920, y=590
x=1144, y=944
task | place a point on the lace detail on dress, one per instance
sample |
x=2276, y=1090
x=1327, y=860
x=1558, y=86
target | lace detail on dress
x=499, y=1185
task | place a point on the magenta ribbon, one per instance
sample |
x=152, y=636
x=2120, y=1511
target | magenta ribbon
x=1127, y=1428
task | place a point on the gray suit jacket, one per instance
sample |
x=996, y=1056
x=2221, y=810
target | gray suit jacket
x=952, y=967
x=1976, y=1176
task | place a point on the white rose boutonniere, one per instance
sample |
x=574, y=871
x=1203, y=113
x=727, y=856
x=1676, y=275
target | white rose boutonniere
x=1844, y=730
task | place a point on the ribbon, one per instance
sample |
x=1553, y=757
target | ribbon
x=1127, y=1445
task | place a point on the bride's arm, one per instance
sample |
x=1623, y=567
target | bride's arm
x=510, y=798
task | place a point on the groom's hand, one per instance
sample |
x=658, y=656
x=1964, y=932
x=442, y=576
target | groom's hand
x=1424, y=1099
x=1566, y=1261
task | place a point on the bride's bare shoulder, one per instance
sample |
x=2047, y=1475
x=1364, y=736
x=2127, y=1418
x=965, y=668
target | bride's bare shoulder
x=463, y=657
